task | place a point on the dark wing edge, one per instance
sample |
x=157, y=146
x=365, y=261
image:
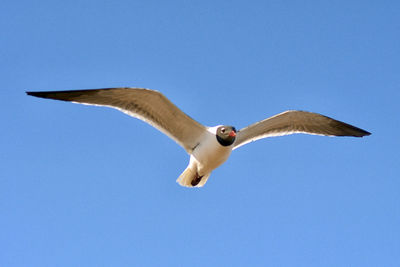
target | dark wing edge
x=147, y=105
x=295, y=121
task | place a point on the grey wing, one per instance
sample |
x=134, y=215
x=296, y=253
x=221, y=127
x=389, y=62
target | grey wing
x=293, y=121
x=147, y=105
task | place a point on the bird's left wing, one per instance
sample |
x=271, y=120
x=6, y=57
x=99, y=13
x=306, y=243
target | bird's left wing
x=147, y=105
x=295, y=121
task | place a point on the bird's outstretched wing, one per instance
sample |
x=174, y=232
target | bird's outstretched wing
x=293, y=121
x=147, y=105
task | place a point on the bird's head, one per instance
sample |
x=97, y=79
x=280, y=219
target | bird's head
x=226, y=135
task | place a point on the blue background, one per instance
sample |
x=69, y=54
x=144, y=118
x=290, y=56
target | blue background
x=89, y=186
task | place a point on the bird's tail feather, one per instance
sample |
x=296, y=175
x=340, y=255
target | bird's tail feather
x=190, y=178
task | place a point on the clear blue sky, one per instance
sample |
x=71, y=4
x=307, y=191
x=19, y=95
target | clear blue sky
x=89, y=186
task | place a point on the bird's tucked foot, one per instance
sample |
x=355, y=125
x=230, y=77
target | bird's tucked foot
x=196, y=180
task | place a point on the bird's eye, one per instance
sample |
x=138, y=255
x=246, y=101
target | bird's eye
x=222, y=130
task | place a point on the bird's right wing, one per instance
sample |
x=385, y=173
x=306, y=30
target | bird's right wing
x=294, y=121
x=147, y=105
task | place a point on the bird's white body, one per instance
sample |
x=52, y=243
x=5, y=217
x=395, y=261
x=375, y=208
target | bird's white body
x=209, y=154
x=206, y=157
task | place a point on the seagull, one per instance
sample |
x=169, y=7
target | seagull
x=208, y=147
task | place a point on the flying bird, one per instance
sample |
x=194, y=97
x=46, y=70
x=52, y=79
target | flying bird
x=208, y=147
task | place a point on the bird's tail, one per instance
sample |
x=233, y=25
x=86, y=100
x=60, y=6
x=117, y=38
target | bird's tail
x=190, y=178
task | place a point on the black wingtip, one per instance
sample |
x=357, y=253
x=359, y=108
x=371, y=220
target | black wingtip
x=58, y=95
x=366, y=133
x=360, y=133
x=350, y=130
x=37, y=94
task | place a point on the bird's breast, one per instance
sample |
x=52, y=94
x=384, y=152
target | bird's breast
x=209, y=154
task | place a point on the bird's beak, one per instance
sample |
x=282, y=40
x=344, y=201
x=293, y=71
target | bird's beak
x=232, y=134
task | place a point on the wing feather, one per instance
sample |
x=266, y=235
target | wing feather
x=147, y=105
x=294, y=121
